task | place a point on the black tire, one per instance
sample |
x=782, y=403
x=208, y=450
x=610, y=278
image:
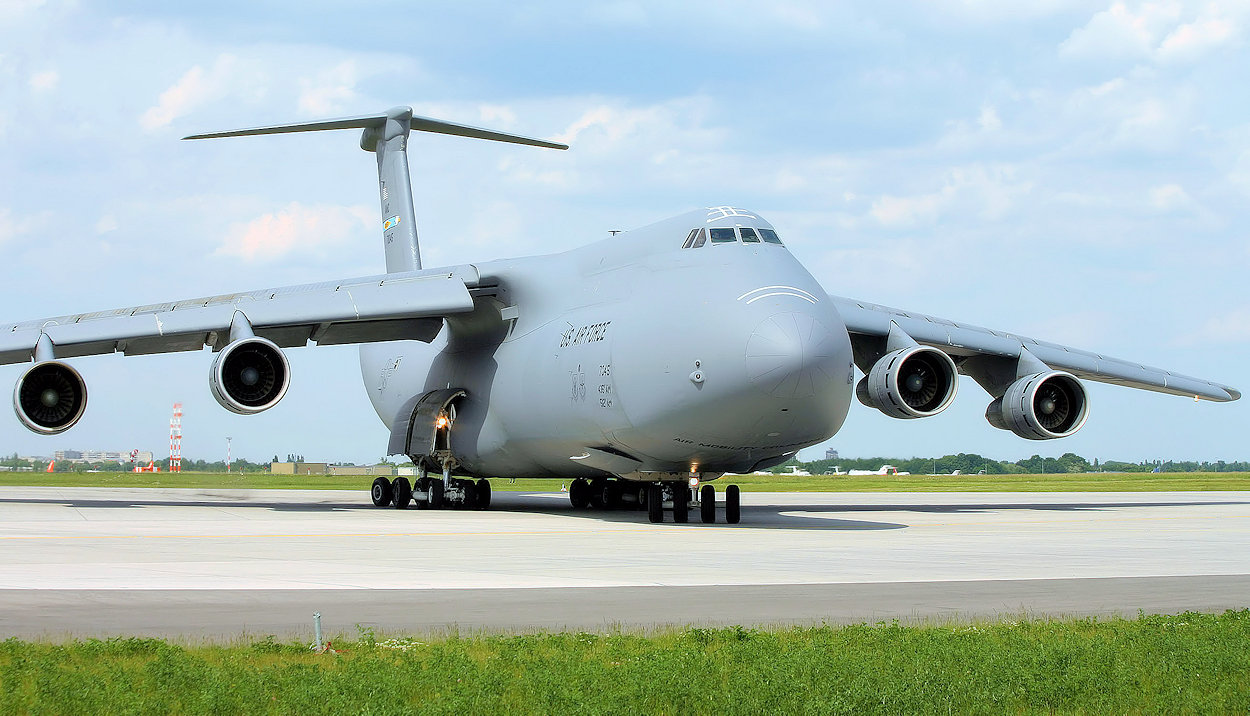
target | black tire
x=402, y=490
x=612, y=495
x=482, y=489
x=733, y=509
x=642, y=496
x=436, y=494
x=422, y=485
x=655, y=502
x=579, y=494
x=681, y=503
x=599, y=493
x=381, y=493
x=707, y=504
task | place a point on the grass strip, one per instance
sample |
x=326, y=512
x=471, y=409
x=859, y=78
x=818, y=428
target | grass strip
x=1189, y=663
x=1072, y=482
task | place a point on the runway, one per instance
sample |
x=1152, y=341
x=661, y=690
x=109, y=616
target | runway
x=222, y=563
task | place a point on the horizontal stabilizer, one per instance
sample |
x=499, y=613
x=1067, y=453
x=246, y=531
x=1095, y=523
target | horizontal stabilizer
x=377, y=121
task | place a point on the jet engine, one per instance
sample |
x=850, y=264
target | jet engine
x=1042, y=406
x=50, y=398
x=249, y=375
x=914, y=382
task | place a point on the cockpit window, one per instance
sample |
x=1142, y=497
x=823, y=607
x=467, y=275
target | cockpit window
x=748, y=236
x=701, y=239
x=770, y=236
x=690, y=239
x=722, y=236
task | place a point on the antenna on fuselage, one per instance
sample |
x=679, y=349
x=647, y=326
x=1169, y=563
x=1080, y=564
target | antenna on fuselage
x=386, y=135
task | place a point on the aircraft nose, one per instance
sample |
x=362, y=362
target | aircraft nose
x=791, y=355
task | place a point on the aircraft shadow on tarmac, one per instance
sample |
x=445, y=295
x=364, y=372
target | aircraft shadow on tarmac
x=754, y=516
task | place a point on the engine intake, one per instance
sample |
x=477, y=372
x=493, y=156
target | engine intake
x=1043, y=406
x=249, y=376
x=50, y=398
x=915, y=382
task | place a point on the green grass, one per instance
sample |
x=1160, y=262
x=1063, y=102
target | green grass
x=1073, y=482
x=1079, y=482
x=1190, y=663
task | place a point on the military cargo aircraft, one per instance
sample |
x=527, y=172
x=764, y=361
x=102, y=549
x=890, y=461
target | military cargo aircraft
x=639, y=367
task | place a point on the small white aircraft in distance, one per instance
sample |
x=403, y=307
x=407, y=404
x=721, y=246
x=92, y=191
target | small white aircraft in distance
x=634, y=365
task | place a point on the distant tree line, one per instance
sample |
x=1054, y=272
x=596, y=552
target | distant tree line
x=965, y=463
x=972, y=463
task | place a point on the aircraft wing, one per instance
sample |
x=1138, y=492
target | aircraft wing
x=976, y=350
x=374, y=308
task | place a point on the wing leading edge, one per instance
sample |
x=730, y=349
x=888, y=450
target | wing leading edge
x=976, y=350
x=373, y=308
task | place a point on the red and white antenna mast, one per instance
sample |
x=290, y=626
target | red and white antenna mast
x=175, y=439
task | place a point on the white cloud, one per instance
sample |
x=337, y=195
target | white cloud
x=1161, y=31
x=194, y=89
x=296, y=228
x=330, y=91
x=44, y=81
x=1192, y=39
x=13, y=227
x=988, y=120
x=1169, y=197
x=1231, y=327
x=981, y=191
x=1119, y=32
x=106, y=223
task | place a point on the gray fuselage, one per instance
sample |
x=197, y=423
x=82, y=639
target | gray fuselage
x=721, y=358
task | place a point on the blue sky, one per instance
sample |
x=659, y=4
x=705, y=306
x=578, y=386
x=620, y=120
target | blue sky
x=1073, y=171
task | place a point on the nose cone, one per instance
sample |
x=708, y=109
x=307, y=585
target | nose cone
x=792, y=355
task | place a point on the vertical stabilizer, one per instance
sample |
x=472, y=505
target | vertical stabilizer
x=399, y=218
x=387, y=135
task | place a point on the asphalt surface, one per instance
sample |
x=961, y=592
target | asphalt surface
x=220, y=564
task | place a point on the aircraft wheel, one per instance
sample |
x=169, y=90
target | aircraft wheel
x=482, y=488
x=381, y=493
x=422, y=485
x=655, y=502
x=612, y=495
x=599, y=493
x=642, y=496
x=681, y=503
x=436, y=494
x=402, y=490
x=733, y=510
x=707, y=504
x=579, y=494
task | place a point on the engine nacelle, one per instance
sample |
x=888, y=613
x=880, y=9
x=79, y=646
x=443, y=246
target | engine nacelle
x=914, y=382
x=50, y=398
x=249, y=376
x=1042, y=406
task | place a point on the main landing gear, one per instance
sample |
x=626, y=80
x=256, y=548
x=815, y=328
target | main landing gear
x=431, y=493
x=655, y=498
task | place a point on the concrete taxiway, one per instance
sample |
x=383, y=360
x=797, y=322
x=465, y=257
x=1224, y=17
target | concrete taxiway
x=220, y=563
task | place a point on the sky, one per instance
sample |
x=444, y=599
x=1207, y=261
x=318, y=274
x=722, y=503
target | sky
x=1073, y=171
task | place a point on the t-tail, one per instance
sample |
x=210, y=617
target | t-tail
x=386, y=134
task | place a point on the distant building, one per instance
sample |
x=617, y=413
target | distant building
x=387, y=470
x=322, y=468
x=143, y=456
x=831, y=454
x=299, y=468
